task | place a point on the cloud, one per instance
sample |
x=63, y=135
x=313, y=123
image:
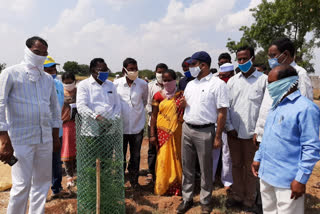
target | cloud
x=118, y=4
x=17, y=6
x=233, y=21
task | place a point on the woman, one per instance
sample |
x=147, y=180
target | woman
x=165, y=132
x=68, y=151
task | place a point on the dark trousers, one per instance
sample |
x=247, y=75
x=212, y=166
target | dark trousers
x=135, y=141
x=56, y=171
x=152, y=156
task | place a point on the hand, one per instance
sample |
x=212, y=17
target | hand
x=6, y=150
x=153, y=140
x=255, y=168
x=232, y=133
x=255, y=142
x=297, y=189
x=56, y=144
x=217, y=143
x=183, y=102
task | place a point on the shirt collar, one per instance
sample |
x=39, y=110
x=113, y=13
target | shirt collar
x=93, y=81
x=294, y=95
x=206, y=78
x=254, y=74
x=124, y=81
x=293, y=64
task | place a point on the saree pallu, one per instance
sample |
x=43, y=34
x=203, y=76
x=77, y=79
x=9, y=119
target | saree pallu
x=68, y=149
x=168, y=165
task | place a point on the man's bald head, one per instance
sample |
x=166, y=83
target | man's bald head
x=281, y=72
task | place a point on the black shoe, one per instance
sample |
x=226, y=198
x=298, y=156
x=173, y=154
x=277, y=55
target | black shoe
x=184, y=206
x=206, y=208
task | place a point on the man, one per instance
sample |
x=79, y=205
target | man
x=225, y=73
x=281, y=51
x=30, y=118
x=153, y=87
x=290, y=146
x=133, y=93
x=206, y=102
x=187, y=75
x=50, y=68
x=97, y=97
x=246, y=93
x=224, y=58
x=261, y=68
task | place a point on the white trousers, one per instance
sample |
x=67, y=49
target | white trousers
x=31, y=178
x=277, y=200
x=226, y=173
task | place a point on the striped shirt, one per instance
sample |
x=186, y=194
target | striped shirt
x=28, y=110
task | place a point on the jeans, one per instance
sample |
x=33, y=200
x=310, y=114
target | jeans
x=56, y=171
x=135, y=141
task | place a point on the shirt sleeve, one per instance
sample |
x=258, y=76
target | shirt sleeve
x=229, y=125
x=117, y=105
x=305, y=85
x=257, y=156
x=55, y=108
x=222, y=96
x=6, y=83
x=83, y=102
x=309, y=122
x=149, y=101
x=145, y=94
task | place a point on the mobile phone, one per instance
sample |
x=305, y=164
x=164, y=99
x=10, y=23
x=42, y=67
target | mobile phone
x=13, y=160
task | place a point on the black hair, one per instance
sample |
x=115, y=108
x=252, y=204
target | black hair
x=286, y=71
x=284, y=44
x=183, y=62
x=171, y=73
x=162, y=65
x=68, y=75
x=31, y=41
x=246, y=48
x=225, y=56
x=95, y=62
x=128, y=61
x=213, y=70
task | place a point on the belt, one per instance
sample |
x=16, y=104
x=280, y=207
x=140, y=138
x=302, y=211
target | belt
x=200, y=126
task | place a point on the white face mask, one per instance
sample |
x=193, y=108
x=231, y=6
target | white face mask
x=132, y=75
x=69, y=87
x=33, y=59
x=194, y=71
x=159, y=78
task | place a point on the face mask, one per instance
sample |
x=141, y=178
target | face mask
x=159, y=78
x=187, y=74
x=195, y=71
x=53, y=76
x=273, y=62
x=33, y=59
x=103, y=76
x=245, y=67
x=170, y=88
x=132, y=75
x=69, y=87
x=279, y=88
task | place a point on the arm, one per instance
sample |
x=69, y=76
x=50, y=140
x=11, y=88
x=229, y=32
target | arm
x=6, y=150
x=153, y=123
x=117, y=106
x=221, y=122
x=149, y=101
x=145, y=94
x=56, y=118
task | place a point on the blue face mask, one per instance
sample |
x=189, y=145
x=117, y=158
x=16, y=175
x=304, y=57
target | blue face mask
x=53, y=76
x=245, y=67
x=279, y=88
x=103, y=76
x=273, y=62
x=187, y=74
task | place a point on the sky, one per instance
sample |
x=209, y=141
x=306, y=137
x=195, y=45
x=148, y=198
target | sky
x=151, y=31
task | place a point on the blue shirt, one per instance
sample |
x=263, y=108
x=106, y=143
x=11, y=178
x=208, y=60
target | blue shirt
x=60, y=93
x=290, y=145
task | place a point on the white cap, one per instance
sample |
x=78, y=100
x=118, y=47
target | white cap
x=226, y=67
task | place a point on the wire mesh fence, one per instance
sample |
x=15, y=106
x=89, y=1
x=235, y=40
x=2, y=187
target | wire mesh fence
x=99, y=140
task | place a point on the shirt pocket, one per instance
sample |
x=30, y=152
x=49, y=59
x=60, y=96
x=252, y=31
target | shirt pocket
x=256, y=95
x=204, y=95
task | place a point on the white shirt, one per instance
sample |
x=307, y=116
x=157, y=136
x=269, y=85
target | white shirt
x=28, y=109
x=133, y=100
x=305, y=88
x=204, y=97
x=246, y=96
x=94, y=99
x=153, y=88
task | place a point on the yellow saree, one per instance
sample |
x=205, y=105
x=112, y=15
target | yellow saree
x=168, y=165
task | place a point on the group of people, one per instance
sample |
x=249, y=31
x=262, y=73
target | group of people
x=262, y=126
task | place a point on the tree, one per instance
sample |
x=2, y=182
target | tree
x=146, y=73
x=2, y=66
x=84, y=70
x=71, y=66
x=283, y=18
